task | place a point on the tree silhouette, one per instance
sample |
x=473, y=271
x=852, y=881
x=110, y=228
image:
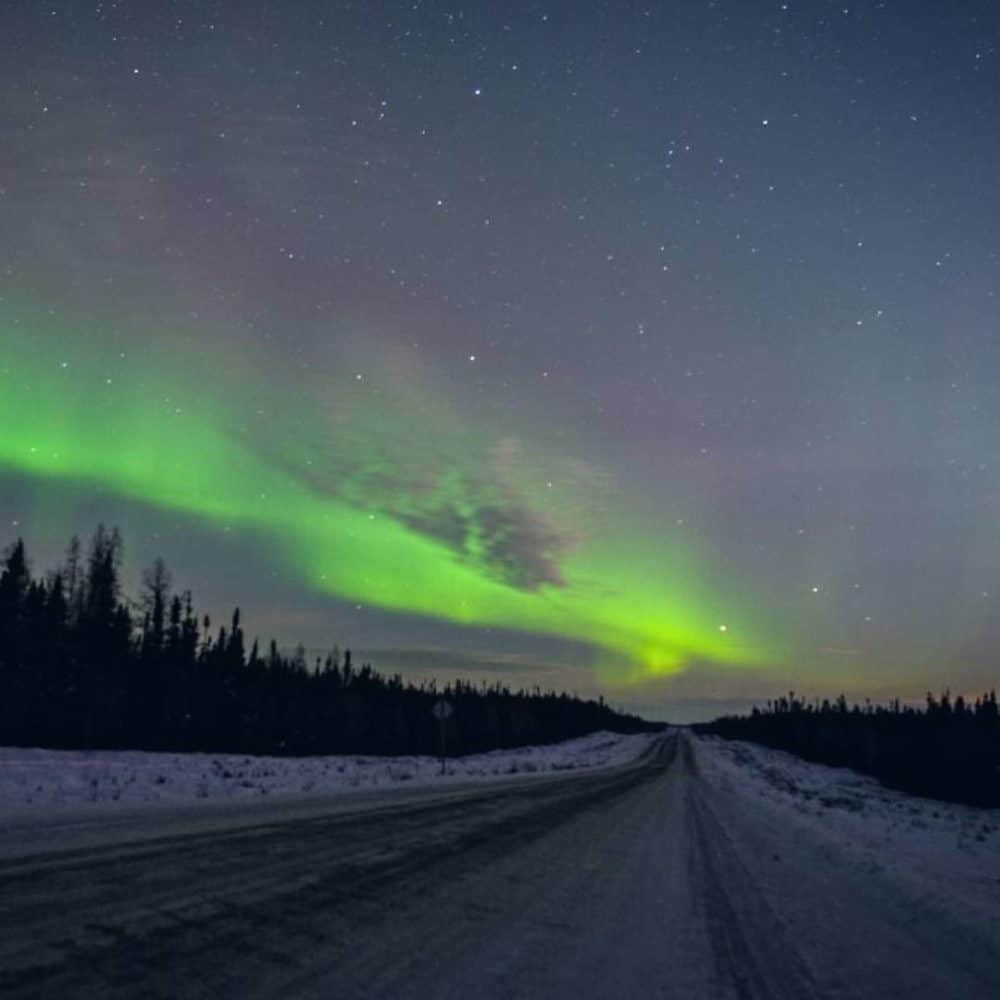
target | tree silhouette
x=79, y=669
x=949, y=750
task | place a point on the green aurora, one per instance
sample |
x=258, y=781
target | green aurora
x=376, y=499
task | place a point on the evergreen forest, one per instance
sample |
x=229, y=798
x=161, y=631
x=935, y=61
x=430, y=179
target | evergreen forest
x=948, y=749
x=83, y=666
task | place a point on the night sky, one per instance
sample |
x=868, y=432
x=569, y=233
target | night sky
x=649, y=349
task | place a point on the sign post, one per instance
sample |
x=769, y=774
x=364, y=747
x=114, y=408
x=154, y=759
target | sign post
x=442, y=711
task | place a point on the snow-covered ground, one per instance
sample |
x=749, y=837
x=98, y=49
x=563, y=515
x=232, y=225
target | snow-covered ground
x=40, y=781
x=943, y=852
x=733, y=871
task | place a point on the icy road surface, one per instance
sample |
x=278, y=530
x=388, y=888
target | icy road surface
x=701, y=870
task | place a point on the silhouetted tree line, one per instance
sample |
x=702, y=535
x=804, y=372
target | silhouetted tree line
x=949, y=749
x=81, y=666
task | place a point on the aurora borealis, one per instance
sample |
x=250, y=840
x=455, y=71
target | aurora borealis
x=642, y=350
x=438, y=523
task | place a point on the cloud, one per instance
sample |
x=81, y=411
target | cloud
x=444, y=524
x=520, y=547
x=434, y=660
x=507, y=540
x=703, y=679
x=470, y=500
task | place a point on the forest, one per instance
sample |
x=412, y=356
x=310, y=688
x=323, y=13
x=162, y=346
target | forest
x=947, y=749
x=83, y=666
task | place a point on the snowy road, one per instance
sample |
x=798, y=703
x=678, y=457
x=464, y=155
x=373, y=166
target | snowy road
x=645, y=880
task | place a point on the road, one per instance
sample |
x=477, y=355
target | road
x=637, y=881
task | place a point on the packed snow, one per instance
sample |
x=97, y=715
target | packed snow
x=944, y=852
x=35, y=781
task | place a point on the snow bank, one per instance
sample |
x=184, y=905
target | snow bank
x=44, y=780
x=941, y=849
